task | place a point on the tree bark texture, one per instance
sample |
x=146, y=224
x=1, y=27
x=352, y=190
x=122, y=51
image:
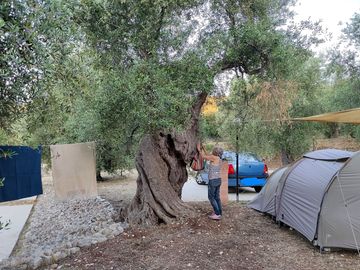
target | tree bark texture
x=286, y=157
x=161, y=164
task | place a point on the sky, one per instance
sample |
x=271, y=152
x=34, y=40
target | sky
x=330, y=12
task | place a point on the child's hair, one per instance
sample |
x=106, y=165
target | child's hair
x=217, y=151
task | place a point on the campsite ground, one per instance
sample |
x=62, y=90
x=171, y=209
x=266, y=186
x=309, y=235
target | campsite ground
x=243, y=239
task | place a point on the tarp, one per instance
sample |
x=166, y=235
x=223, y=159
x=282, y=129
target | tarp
x=351, y=116
x=20, y=172
x=74, y=170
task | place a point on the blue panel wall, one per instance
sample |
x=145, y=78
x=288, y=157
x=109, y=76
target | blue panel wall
x=20, y=172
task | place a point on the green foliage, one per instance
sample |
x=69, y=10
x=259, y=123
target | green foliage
x=275, y=79
x=156, y=74
x=21, y=57
x=209, y=127
x=257, y=111
x=4, y=225
x=4, y=137
x=112, y=71
x=344, y=90
x=109, y=91
x=140, y=90
x=7, y=153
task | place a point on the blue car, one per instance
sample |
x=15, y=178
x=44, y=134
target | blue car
x=252, y=171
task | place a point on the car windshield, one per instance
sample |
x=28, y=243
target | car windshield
x=243, y=157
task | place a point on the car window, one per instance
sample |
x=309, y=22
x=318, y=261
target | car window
x=243, y=157
x=248, y=157
x=229, y=156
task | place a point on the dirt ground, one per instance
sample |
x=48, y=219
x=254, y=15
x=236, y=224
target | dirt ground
x=243, y=239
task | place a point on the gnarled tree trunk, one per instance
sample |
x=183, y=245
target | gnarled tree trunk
x=161, y=164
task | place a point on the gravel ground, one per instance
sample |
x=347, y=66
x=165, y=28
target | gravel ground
x=57, y=229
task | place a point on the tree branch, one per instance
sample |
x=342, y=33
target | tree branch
x=161, y=20
x=230, y=64
x=196, y=109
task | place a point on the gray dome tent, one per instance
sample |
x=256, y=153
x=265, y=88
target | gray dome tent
x=319, y=196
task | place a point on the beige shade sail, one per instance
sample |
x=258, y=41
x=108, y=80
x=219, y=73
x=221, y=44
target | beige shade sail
x=351, y=116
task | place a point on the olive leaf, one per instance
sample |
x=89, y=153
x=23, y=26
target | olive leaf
x=2, y=180
x=2, y=22
x=4, y=225
x=7, y=153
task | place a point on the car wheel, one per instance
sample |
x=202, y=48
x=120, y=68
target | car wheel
x=199, y=180
x=257, y=189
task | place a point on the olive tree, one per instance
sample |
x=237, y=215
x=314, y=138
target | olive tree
x=164, y=56
x=134, y=74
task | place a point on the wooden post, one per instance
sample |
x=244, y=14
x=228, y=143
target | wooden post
x=224, y=183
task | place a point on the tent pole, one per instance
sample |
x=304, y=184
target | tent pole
x=237, y=168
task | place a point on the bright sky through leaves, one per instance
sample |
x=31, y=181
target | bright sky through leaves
x=334, y=15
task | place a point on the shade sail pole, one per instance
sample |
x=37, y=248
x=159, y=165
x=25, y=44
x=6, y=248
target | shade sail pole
x=348, y=215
